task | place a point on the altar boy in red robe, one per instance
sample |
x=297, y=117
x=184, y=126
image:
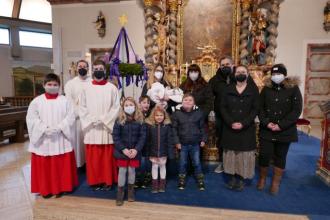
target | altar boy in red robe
x=49, y=119
x=98, y=110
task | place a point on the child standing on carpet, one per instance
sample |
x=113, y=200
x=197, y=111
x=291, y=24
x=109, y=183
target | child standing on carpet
x=189, y=135
x=159, y=143
x=50, y=120
x=129, y=135
x=143, y=174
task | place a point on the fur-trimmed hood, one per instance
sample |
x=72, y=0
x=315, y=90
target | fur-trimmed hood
x=289, y=82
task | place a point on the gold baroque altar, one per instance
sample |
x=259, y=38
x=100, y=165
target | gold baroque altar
x=181, y=32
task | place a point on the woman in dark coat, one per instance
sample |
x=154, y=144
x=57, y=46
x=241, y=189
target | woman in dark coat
x=199, y=88
x=239, y=108
x=280, y=108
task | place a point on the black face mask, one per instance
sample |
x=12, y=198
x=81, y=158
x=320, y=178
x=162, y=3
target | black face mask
x=99, y=74
x=82, y=72
x=225, y=71
x=240, y=77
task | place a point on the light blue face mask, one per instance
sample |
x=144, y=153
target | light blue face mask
x=278, y=78
x=129, y=110
x=52, y=89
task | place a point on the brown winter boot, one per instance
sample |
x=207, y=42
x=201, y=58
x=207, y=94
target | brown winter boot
x=162, y=185
x=262, y=177
x=277, y=176
x=130, y=193
x=154, y=186
x=120, y=196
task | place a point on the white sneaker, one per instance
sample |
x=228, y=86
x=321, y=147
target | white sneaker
x=219, y=168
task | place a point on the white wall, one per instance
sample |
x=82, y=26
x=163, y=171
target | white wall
x=300, y=22
x=74, y=31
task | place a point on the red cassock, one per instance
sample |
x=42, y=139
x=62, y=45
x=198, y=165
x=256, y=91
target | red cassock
x=53, y=174
x=101, y=167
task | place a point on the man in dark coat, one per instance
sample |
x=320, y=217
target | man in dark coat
x=218, y=83
x=280, y=108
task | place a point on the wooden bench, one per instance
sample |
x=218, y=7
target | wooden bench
x=13, y=124
x=18, y=100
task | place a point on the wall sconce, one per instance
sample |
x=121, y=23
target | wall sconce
x=326, y=24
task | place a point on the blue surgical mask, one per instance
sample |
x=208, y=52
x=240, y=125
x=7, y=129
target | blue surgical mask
x=129, y=110
x=278, y=78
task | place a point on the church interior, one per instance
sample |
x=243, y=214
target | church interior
x=38, y=37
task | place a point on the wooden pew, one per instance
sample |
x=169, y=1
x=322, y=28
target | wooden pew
x=12, y=124
x=18, y=100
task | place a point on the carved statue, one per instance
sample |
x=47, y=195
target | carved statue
x=100, y=24
x=257, y=37
x=161, y=27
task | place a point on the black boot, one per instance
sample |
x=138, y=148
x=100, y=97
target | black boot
x=231, y=183
x=239, y=186
x=120, y=196
x=200, y=182
x=182, y=181
x=146, y=180
x=97, y=187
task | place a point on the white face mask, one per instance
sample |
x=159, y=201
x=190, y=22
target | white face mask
x=52, y=89
x=278, y=78
x=193, y=75
x=129, y=110
x=158, y=75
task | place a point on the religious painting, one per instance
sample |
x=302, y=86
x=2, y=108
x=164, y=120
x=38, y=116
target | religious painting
x=100, y=54
x=28, y=81
x=23, y=82
x=207, y=24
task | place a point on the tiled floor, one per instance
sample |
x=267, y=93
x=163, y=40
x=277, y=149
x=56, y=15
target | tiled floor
x=17, y=203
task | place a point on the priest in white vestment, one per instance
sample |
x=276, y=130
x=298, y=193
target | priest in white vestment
x=73, y=89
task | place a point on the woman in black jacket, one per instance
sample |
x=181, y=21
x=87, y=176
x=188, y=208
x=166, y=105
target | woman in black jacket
x=239, y=107
x=199, y=88
x=159, y=146
x=280, y=107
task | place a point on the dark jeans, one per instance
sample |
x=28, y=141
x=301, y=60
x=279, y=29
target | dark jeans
x=145, y=166
x=273, y=150
x=194, y=152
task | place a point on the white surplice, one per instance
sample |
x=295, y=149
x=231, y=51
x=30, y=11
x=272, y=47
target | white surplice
x=99, y=102
x=73, y=89
x=46, y=113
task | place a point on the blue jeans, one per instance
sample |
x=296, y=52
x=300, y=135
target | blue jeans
x=193, y=151
x=145, y=166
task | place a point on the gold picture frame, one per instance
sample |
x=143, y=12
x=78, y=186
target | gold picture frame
x=236, y=19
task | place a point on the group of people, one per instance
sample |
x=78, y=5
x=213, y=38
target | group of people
x=118, y=138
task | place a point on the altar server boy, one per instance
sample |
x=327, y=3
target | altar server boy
x=98, y=110
x=50, y=118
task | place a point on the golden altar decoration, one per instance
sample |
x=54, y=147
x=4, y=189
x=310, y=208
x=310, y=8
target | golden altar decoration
x=171, y=25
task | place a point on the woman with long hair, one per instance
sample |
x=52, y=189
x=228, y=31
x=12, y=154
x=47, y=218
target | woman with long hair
x=199, y=88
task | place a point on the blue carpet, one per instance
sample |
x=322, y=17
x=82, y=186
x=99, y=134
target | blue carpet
x=301, y=192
